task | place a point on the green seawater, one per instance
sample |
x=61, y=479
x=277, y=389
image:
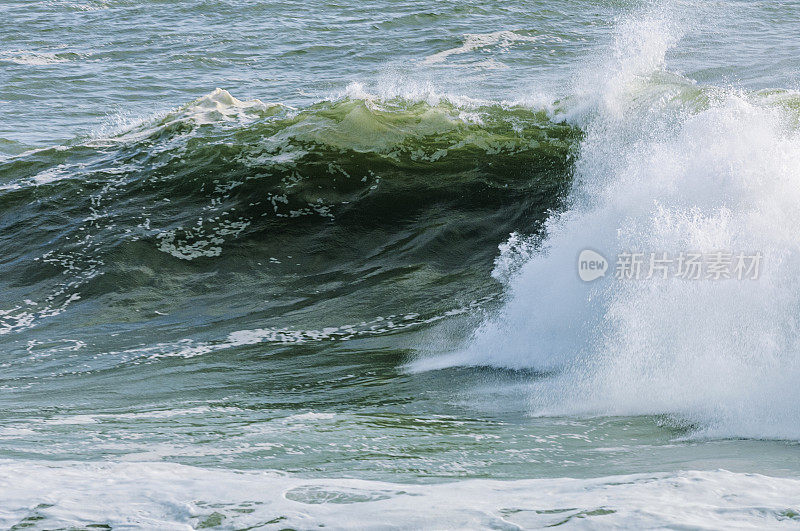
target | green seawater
x=233, y=232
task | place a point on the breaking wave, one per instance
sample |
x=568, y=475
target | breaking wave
x=665, y=166
x=281, y=210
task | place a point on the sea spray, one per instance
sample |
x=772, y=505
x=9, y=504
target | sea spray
x=656, y=174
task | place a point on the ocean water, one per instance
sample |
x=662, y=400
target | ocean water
x=280, y=265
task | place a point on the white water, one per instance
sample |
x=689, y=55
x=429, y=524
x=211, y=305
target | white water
x=171, y=496
x=665, y=166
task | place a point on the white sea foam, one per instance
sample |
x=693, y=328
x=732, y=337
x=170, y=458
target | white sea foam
x=171, y=496
x=498, y=40
x=656, y=173
x=220, y=105
x=29, y=58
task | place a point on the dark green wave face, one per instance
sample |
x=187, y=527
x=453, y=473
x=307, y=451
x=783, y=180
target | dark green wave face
x=245, y=228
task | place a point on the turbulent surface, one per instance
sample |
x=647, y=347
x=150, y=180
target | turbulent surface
x=305, y=207
x=707, y=500
x=340, y=290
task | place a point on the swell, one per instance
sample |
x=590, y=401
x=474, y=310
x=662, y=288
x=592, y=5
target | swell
x=257, y=213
